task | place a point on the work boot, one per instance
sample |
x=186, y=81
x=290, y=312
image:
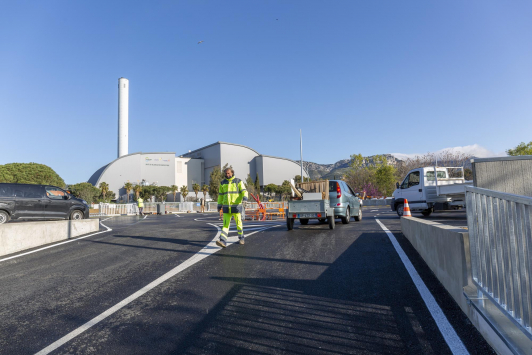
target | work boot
x=241, y=241
x=221, y=243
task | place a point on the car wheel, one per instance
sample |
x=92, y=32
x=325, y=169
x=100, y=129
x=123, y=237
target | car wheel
x=359, y=217
x=303, y=221
x=4, y=217
x=426, y=213
x=331, y=222
x=400, y=207
x=290, y=223
x=76, y=215
x=345, y=220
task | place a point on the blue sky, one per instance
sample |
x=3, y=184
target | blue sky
x=365, y=77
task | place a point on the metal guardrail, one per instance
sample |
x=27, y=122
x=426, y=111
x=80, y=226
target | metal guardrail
x=500, y=237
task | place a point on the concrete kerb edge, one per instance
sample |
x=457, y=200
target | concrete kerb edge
x=445, y=249
x=18, y=237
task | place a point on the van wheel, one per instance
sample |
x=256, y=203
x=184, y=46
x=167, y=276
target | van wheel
x=4, y=217
x=359, y=217
x=427, y=212
x=303, y=221
x=76, y=215
x=400, y=207
x=345, y=220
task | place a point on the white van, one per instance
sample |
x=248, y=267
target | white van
x=430, y=188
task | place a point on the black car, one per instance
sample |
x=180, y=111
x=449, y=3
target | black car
x=23, y=201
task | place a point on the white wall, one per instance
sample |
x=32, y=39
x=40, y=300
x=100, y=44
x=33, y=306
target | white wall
x=275, y=170
x=239, y=157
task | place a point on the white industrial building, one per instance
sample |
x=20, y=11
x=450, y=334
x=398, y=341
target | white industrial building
x=167, y=169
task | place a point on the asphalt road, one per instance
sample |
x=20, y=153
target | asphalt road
x=456, y=218
x=307, y=291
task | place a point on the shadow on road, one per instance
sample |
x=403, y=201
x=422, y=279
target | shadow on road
x=356, y=306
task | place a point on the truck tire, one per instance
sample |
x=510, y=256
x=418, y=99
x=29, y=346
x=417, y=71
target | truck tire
x=303, y=221
x=426, y=212
x=289, y=223
x=399, y=209
x=359, y=217
x=345, y=220
x=331, y=222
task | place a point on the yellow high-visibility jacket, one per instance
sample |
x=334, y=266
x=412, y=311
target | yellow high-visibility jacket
x=140, y=202
x=231, y=194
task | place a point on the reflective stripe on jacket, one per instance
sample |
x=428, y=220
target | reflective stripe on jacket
x=231, y=194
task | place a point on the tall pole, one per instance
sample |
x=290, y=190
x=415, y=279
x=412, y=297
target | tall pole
x=301, y=150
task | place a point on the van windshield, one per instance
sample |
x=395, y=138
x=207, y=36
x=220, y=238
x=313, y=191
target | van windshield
x=430, y=175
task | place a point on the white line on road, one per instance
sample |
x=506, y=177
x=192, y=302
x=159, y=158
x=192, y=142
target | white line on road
x=55, y=245
x=208, y=250
x=449, y=334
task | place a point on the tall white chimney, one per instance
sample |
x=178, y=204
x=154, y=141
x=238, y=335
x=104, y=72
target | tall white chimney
x=123, y=116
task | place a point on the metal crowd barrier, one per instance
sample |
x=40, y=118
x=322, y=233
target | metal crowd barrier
x=107, y=209
x=500, y=237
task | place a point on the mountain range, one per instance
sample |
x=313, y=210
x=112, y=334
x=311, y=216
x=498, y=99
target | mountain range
x=338, y=169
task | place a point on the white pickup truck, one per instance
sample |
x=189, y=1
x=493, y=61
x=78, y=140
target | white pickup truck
x=430, y=188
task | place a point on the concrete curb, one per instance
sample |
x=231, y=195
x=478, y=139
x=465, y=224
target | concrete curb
x=15, y=237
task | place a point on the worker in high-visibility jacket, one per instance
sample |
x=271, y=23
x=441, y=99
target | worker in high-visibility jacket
x=140, y=205
x=230, y=196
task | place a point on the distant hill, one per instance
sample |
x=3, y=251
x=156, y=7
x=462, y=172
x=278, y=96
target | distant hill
x=340, y=168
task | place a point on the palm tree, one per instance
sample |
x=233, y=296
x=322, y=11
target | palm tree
x=205, y=189
x=184, y=192
x=128, y=186
x=105, y=188
x=196, y=189
x=174, y=190
x=137, y=189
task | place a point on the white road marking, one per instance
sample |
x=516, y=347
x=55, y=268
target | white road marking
x=449, y=334
x=55, y=245
x=208, y=250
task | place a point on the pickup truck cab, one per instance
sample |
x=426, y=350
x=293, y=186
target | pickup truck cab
x=430, y=188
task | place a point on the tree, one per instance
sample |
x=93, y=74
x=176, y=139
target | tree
x=196, y=189
x=104, y=187
x=521, y=149
x=257, y=185
x=250, y=185
x=216, y=178
x=86, y=191
x=128, y=186
x=174, y=190
x=297, y=178
x=385, y=178
x=184, y=192
x=137, y=189
x=30, y=173
x=205, y=189
x=270, y=188
x=147, y=192
x=285, y=189
x=161, y=192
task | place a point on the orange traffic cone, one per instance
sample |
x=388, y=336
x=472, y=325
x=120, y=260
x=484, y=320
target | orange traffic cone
x=406, y=209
